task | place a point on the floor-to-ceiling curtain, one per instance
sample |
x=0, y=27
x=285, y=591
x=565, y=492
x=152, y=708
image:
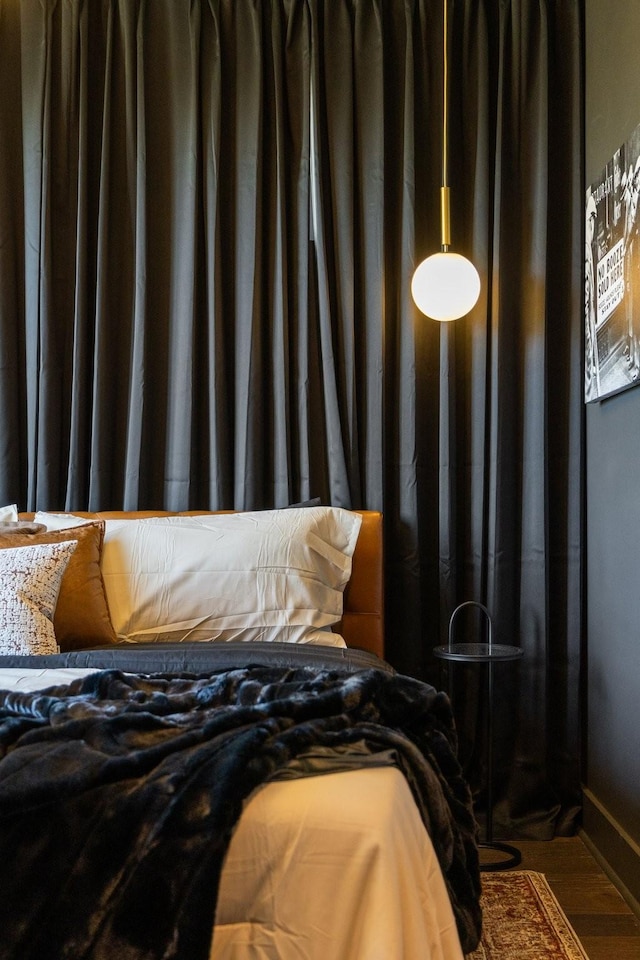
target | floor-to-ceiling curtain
x=210, y=211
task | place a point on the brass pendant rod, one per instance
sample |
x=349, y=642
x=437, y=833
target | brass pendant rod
x=445, y=216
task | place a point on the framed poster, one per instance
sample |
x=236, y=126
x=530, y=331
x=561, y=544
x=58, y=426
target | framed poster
x=612, y=275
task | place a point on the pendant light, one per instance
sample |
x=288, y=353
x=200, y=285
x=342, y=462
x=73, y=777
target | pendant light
x=446, y=285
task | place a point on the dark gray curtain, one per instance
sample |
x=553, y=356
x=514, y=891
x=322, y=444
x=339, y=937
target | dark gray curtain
x=210, y=211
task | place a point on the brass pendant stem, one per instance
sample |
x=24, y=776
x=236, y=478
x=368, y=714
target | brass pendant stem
x=445, y=218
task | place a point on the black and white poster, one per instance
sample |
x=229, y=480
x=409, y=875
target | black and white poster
x=612, y=275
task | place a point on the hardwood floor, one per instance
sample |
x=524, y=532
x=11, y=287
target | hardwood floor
x=607, y=927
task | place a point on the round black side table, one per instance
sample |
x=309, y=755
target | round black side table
x=489, y=653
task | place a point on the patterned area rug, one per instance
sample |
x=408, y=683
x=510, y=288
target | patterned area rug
x=523, y=920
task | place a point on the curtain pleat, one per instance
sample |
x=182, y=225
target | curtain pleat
x=210, y=211
x=513, y=537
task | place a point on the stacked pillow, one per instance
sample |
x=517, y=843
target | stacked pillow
x=268, y=575
x=80, y=613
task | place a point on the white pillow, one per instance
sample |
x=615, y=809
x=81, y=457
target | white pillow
x=60, y=521
x=270, y=575
x=29, y=584
x=9, y=514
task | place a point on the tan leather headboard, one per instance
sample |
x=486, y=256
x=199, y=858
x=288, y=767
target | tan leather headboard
x=363, y=620
x=363, y=617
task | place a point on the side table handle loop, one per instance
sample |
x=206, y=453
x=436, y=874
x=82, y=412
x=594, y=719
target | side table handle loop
x=479, y=606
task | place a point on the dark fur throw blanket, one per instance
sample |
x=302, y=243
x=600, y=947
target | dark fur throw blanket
x=119, y=794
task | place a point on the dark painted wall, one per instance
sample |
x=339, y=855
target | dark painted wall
x=612, y=780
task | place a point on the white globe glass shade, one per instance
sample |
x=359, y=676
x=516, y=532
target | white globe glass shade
x=445, y=286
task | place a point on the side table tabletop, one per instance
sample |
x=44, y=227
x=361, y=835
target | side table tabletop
x=477, y=652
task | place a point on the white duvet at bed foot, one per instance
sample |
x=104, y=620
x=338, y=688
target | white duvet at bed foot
x=335, y=867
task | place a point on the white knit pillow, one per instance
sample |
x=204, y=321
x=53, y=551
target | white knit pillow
x=29, y=584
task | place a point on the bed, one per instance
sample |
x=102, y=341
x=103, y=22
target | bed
x=276, y=792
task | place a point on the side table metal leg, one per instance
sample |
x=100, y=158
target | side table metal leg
x=514, y=856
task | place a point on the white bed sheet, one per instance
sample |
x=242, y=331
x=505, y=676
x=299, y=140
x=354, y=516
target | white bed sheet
x=19, y=678
x=330, y=867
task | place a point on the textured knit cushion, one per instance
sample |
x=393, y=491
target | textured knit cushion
x=82, y=616
x=30, y=580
